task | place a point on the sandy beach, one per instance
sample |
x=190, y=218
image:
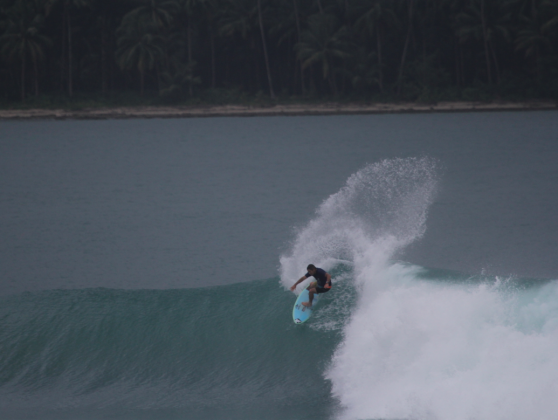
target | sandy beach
x=247, y=111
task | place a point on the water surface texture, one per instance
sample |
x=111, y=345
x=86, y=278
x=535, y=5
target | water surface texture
x=146, y=265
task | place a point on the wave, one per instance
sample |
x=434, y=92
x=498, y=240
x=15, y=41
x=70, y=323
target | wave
x=390, y=341
x=221, y=352
x=426, y=344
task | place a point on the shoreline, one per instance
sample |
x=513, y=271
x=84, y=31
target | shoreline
x=123, y=112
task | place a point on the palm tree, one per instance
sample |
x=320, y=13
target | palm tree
x=244, y=18
x=210, y=10
x=191, y=8
x=264, y=43
x=486, y=22
x=550, y=9
x=23, y=39
x=373, y=17
x=176, y=79
x=405, y=48
x=157, y=16
x=190, y=13
x=286, y=28
x=159, y=12
x=297, y=21
x=364, y=71
x=68, y=8
x=139, y=46
x=534, y=36
x=324, y=42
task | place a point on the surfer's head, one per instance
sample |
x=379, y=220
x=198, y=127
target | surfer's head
x=311, y=268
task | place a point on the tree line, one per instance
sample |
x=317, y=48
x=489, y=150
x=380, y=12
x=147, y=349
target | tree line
x=408, y=49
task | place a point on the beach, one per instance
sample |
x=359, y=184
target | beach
x=290, y=109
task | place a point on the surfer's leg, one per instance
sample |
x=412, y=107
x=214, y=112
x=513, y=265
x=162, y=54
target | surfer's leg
x=311, y=291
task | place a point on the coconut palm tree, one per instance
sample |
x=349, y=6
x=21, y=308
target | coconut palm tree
x=159, y=12
x=486, y=22
x=534, y=37
x=264, y=44
x=139, y=46
x=178, y=78
x=410, y=19
x=245, y=18
x=69, y=7
x=194, y=15
x=157, y=16
x=324, y=42
x=23, y=39
x=373, y=17
x=191, y=9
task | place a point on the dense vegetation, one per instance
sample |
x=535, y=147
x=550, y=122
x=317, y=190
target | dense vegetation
x=223, y=50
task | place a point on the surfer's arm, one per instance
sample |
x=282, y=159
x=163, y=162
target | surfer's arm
x=328, y=281
x=293, y=287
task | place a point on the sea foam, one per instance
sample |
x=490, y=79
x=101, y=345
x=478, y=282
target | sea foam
x=419, y=348
x=427, y=350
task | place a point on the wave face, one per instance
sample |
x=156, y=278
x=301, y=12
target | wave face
x=217, y=352
x=426, y=344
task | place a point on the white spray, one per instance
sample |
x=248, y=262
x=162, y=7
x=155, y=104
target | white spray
x=384, y=204
x=417, y=349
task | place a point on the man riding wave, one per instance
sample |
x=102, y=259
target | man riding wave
x=321, y=285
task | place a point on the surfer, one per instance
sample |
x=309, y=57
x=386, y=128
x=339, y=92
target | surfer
x=321, y=285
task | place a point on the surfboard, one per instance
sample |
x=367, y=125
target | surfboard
x=301, y=313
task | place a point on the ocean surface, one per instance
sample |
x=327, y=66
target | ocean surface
x=145, y=268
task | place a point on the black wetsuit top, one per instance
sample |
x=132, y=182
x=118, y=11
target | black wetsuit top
x=320, y=276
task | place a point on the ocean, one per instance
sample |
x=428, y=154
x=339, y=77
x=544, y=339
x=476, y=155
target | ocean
x=146, y=267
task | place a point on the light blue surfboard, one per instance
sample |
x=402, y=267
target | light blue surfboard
x=300, y=312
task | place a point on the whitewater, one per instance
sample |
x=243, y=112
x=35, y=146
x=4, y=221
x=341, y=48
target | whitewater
x=419, y=343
